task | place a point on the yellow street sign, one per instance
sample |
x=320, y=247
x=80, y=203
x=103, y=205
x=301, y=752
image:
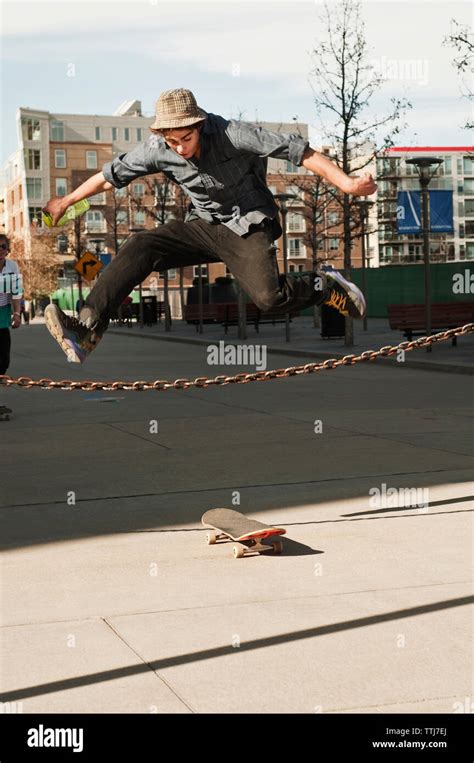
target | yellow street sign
x=88, y=265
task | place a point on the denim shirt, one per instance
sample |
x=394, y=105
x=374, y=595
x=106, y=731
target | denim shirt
x=228, y=183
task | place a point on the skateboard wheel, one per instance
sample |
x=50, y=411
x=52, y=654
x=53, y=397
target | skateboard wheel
x=238, y=552
x=277, y=546
x=211, y=538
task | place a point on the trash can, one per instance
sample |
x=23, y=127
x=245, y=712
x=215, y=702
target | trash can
x=150, y=312
x=333, y=323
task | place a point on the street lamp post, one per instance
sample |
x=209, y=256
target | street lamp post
x=283, y=198
x=364, y=206
x=140, y=291
x=423, y=165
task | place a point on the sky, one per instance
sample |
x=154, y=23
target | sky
x=251, y=59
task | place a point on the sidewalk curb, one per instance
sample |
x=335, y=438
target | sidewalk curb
x=409, y=363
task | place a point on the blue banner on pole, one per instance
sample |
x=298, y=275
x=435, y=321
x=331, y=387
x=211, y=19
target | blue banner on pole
x=105, y=258
x=409, y=211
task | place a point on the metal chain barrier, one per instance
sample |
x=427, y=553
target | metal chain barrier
x=203, y=381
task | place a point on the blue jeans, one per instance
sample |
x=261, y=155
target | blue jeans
x=251, y=259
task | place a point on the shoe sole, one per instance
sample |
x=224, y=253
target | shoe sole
x=55, y=328
x=355, y=295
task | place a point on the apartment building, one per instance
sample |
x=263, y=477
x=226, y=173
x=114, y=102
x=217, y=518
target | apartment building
x=455, y=173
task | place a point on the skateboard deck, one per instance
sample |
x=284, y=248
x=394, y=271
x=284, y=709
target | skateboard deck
x=248, y=534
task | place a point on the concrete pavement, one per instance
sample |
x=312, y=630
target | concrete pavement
x=112, y=602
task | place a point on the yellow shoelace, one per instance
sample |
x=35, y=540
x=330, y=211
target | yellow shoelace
x=338, y=301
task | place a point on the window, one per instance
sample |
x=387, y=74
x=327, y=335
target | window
x=62, y=243
x=122, y=217
x=469, y=185
x=468, y=165
x=295, y=248
x=139, y=219
x=114, y=133
x=59, y=158
x=139, y=134
x=32, y=159
x=121, y=193
x=333, y=218
x=469, y=250
x=34, y=189
x=295, y=222
x=91, y=160
x=290, y=167
x=469, y=208
x=333, y=243
x=98, y=198
x=96, y=245
x=204, y=271
x=447, y=165
x=171, y=274
x=31, y=128
x=61, y=186
x=97, y=133
x=414, y=251
x=57, y=130
x=95, y=222
x=470, y=228
x=138, y=189
x=126, y=133
x=36, y=217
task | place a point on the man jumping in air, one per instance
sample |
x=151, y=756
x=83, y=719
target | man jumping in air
x=221, y=165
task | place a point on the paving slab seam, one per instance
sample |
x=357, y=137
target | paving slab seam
x=145, y=662
x=421, y=513
x=392, y=704
x=233, y=486
x=394, y=438
x=153, y=443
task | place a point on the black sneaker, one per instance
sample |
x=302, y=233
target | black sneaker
x=75, y=339
x=344, y=295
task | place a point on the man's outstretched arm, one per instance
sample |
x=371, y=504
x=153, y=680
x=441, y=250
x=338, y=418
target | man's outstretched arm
x=321, y=165
x=58, y=204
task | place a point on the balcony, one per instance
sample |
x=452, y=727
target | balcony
x=99, y=226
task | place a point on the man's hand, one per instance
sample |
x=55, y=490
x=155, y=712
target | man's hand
x=56, y=207
x=362, y=186
x=16, y=321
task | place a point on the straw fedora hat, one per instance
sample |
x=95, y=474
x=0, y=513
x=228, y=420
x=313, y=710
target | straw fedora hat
x=177, y=108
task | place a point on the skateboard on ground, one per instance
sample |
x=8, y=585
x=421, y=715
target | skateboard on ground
x=248, y=534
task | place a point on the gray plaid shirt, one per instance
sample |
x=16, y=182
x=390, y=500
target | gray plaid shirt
x=228, y=183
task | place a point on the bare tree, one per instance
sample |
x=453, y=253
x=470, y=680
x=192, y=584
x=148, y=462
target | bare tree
x=162, y=191
x=115, y=213
x=345, y=84
x=461, y=39
x=39, y=270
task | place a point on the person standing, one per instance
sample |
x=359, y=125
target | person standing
x=11, y=293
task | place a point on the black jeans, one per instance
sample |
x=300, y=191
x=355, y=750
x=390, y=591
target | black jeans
x=250, y=258
x=5, y=343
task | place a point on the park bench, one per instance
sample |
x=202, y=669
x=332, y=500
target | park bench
x=411, y=319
